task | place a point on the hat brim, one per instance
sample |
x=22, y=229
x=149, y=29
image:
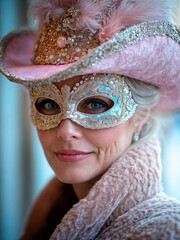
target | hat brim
x=149, y=52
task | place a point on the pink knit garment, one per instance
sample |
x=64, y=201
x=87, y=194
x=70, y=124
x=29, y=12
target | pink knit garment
x=125, y=203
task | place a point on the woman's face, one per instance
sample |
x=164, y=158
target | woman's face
x=78, y=154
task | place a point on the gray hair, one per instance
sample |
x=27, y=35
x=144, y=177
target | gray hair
x=146, y=96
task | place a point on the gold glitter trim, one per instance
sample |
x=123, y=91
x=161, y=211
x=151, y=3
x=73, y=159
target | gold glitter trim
x=117, y=44
x=60, y=43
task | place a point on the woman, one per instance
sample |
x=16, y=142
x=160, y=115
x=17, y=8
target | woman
x=95, y=120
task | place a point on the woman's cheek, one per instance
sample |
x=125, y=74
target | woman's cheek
x=46, y=138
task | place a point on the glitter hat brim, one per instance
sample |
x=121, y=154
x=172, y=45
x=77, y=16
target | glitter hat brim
x=149, y=52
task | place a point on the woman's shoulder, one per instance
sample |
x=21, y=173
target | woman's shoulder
x=155, y=218
x=161, y=202
x=49, y=208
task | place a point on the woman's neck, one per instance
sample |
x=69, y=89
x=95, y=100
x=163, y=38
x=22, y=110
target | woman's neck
x=82, y=189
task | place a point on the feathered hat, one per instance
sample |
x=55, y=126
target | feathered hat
x=133, y=38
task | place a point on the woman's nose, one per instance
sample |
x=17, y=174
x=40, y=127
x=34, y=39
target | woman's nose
x=68, y=130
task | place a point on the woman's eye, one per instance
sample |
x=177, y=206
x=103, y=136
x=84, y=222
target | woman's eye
x=95, y=105
x=47, y=106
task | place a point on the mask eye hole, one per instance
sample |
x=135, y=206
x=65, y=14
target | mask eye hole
x=47, y=106
x=95, y=105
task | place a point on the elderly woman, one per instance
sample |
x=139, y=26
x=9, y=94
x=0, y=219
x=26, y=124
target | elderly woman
x=97, y=71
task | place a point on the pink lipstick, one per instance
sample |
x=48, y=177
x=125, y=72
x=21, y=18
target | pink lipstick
x=71, y=155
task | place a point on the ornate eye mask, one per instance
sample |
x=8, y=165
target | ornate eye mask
x=96, y=102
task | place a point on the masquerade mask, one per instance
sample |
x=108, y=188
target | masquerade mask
x=96, y=102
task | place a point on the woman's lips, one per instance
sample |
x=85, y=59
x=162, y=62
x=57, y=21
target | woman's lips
x=71, y=155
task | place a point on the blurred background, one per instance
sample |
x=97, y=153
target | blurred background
x=23, y=167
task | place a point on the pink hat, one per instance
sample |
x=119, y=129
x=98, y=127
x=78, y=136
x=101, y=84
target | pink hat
x=137, y=39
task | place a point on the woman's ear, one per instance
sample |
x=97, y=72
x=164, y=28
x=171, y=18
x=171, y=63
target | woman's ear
x=140, y=120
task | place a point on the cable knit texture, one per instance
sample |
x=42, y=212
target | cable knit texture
x=126, y=203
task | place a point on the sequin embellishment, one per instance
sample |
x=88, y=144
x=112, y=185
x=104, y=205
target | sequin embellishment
x=59, y=40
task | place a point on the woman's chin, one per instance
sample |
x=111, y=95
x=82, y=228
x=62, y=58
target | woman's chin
x=74, y=176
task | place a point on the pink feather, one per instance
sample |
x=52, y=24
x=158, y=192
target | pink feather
x=132, y=12
x=90, y=14
x=42, y=10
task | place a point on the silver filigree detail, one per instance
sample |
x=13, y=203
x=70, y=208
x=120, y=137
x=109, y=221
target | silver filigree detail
x=108, y=85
